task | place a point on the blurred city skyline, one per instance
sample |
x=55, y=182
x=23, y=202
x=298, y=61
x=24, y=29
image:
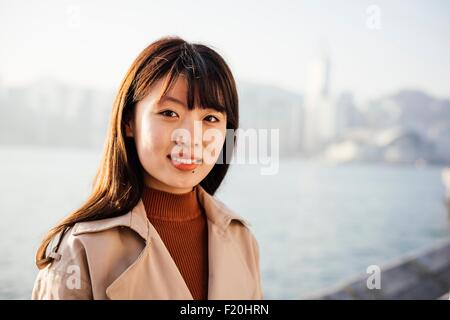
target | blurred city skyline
x=360, y=81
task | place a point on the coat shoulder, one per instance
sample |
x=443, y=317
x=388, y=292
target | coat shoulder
x=230, y=214
x=245, y=240
x=240, y=228
x=83, y=248
x=67, y=276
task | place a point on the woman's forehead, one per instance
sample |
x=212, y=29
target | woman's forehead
x=178, y=92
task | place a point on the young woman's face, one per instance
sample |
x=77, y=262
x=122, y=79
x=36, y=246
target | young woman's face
x=168, y=137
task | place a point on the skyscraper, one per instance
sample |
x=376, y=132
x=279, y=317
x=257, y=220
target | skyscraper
x=319, y=123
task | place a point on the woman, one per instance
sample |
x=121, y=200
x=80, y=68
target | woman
x=152, y=228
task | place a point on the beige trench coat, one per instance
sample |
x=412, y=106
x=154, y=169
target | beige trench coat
x=124, y=258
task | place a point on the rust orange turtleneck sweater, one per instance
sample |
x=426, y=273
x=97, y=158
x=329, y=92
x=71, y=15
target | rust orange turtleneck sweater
x=181, y=223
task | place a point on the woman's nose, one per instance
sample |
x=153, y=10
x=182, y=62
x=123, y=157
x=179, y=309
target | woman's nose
x=183, y=140
x=190, y=133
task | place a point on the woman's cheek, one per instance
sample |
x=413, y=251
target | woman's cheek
x=152, y=141
x=214, y=139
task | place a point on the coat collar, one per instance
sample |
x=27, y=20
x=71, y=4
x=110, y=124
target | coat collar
x=216, y=212
x=229, y=275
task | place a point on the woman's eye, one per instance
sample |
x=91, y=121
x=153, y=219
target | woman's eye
x=212, y=119
x=168, y=113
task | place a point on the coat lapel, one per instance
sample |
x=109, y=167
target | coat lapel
x=228, y=275
x=154, y=274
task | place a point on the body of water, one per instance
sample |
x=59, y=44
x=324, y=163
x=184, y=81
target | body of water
x=316, y=224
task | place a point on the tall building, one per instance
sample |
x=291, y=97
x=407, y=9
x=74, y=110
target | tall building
x=319, y=123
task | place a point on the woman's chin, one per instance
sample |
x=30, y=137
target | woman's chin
x=184, y=184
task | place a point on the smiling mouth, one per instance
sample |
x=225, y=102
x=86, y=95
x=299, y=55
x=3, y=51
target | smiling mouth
x=184, y=160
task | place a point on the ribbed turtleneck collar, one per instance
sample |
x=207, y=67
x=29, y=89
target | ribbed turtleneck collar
x=170, y=206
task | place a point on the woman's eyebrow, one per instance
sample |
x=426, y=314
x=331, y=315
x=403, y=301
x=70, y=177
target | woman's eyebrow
x=215, y=110
x=173, y=99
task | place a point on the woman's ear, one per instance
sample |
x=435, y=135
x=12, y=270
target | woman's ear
x=129, y=128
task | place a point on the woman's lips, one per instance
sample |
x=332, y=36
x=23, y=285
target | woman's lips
x=184, y=164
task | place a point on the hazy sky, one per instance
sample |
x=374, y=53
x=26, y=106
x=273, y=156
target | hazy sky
x=269, y=42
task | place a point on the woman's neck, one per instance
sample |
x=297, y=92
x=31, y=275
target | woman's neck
x=158, y=185
x=164, y=205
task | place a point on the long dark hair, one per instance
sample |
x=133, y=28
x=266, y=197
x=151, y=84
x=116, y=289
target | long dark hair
x=118, y=184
